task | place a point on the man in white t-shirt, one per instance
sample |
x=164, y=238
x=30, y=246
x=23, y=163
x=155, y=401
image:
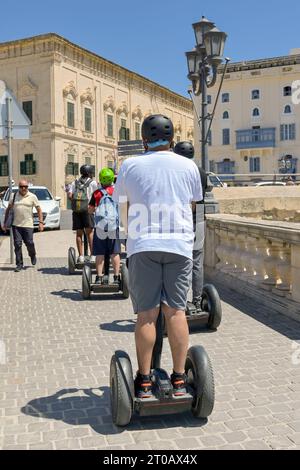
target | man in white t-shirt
x=80, y=193
x=159, y=188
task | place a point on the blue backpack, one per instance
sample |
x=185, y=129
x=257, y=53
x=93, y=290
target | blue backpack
x=107, y=213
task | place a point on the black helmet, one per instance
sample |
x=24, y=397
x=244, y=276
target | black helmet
x=186, y=149
x=156, y=127
x=87, y=170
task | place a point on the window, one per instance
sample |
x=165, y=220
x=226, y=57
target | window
x=3, y=165
x=226, y=166
x=124, y=132
x=226, y=136
x=70, y=114
x=88, y=119
x=208, y=99
x=110, y=126
x=255, y=94
x=137, y=130
x=287, y=91
x=288, y=132
x=72, y=169
x=226, y=115
x=209, y=138
x=27, y=108
x=254, y=164
x=28, y=166
x=287, y=109
x=212, y=166
x=225, y=98
x=110, y=164
x=255, y=112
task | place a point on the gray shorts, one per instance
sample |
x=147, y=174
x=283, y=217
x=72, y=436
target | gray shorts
x=156, y=277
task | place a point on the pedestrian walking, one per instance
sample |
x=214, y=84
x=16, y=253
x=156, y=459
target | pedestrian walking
x=22, y=203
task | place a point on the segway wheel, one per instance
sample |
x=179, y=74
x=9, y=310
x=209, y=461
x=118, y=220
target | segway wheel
x=86, y=282
x=201, y=379
x=124, y=280
x=121, y=388
x=211, y=303
x=72, y=260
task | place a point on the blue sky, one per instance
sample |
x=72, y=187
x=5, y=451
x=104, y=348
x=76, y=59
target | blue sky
x=151, y=37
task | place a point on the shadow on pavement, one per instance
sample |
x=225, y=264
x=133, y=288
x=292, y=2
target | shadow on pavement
x=63, y=271
x=121, y=326
x=93, y=409
x=75, y=294
x=251, y=307
x=12, y=268
x=71, y=294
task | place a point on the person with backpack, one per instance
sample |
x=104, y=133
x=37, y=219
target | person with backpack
x=106, y=234
x=186, y=149
x=80, y=193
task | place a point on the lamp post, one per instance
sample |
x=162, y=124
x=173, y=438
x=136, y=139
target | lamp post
x=203, y=62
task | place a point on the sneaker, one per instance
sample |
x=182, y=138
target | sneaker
x=143, y=386
x=33, y=260
x=80, y=259
x=198, y=304
x=116, y=281
x=18, y=269
x=98, y=280
x=105, y=280
x=179, y=384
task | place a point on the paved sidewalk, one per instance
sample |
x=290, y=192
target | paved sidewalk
x=54, y=390
x=48, y=244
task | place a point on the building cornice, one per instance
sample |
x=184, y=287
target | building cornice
x=52, y=43
x=262, y=63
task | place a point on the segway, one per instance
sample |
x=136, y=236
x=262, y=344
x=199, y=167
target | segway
x=88, y=286
x=200, y=394
x=210, y=313
x=73, y=266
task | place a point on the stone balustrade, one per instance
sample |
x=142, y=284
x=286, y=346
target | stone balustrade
x=261, y=254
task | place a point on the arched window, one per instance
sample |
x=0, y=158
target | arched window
x=255, y=94
x=287, y=109
x=255, y=112
x=287, y=91
x=226, y=115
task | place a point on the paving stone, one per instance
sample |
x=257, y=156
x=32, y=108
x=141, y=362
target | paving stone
x=255, y=445
x=55, y=347
x=236, y=436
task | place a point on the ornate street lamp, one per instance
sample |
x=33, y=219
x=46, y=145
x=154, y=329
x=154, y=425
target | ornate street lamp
x=203, y=62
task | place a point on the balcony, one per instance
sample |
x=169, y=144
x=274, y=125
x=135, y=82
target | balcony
x=255, y=138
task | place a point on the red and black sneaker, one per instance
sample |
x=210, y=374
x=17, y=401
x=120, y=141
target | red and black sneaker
x=143, y=386
x=179, y=384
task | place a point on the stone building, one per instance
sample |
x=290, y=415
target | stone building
x=257, y=123
x=80, y=106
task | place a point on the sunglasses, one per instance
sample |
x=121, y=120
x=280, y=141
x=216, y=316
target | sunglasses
x=23, y=187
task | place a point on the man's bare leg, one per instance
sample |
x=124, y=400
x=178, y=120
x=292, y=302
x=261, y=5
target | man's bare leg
x=116, y=260
x=90, y=235
x=79, y=234
x=145, y=335
x=99, y=264
x=178, y=335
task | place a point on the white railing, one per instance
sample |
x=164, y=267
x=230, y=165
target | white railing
x=262, y=253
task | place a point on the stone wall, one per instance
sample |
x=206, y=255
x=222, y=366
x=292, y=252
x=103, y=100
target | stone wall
x=276, y=202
